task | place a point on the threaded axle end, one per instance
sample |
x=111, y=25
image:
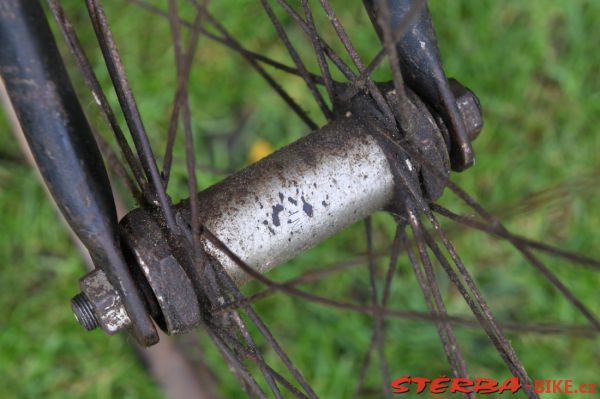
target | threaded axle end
x=84, y=312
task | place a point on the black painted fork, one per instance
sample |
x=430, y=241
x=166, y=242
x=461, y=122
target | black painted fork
x=422, y=70
x=63, y=146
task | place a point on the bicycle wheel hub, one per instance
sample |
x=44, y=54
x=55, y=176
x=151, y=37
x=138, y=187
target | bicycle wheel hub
x=278, y=207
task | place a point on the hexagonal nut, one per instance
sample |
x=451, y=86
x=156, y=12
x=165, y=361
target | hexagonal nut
x=105, y=302
x=178, y=308
x=469, y=108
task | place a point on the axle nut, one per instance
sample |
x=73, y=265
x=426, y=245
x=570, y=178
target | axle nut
x=469, y=108
x=99, y=304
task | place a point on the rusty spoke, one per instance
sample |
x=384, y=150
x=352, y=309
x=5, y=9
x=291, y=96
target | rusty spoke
x=129, y=106
x=297, y=59
x=94, y=85
x=427, y=281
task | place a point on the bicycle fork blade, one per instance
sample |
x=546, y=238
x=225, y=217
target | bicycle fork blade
x=422, y=70
x=64, y=148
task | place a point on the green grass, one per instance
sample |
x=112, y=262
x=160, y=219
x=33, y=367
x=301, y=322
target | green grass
x=43, y=352
x=534, y=65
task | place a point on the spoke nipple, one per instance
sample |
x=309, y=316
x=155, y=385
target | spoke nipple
x=84, y=312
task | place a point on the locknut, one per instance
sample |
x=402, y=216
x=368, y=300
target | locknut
x=99, y=304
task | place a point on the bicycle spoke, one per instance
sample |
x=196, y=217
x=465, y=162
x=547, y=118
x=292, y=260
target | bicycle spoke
x=117, y=166
x=389, y=45
x=251, y=355
x=219, y=289
x=371, y=86
x=521, y=247
x=262, y=72
x=297, y=60
x=531, y=258
x=391, y=271
x=521, y=327
x=554, y=195
x=434, y=300
x=230, y=285
x=308, y=277
x=475, y=301
x=227, y=41
x=184, y=64
x=256, y=356
x=368, y=310
x=249, y=384
x=378, y=325
x=317, y=274
x=337, y=61
x=480, y=309
x=340, y=64
x=393, y=264
x=318, y=48
x=409, y=18
x=342, y=35
x=129, y=106
x=503, y=234
x=93, y=84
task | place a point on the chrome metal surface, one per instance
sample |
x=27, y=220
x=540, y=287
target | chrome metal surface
x=297, y=197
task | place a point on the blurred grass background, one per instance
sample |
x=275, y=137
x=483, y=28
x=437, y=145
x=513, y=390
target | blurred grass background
x=536, y=68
